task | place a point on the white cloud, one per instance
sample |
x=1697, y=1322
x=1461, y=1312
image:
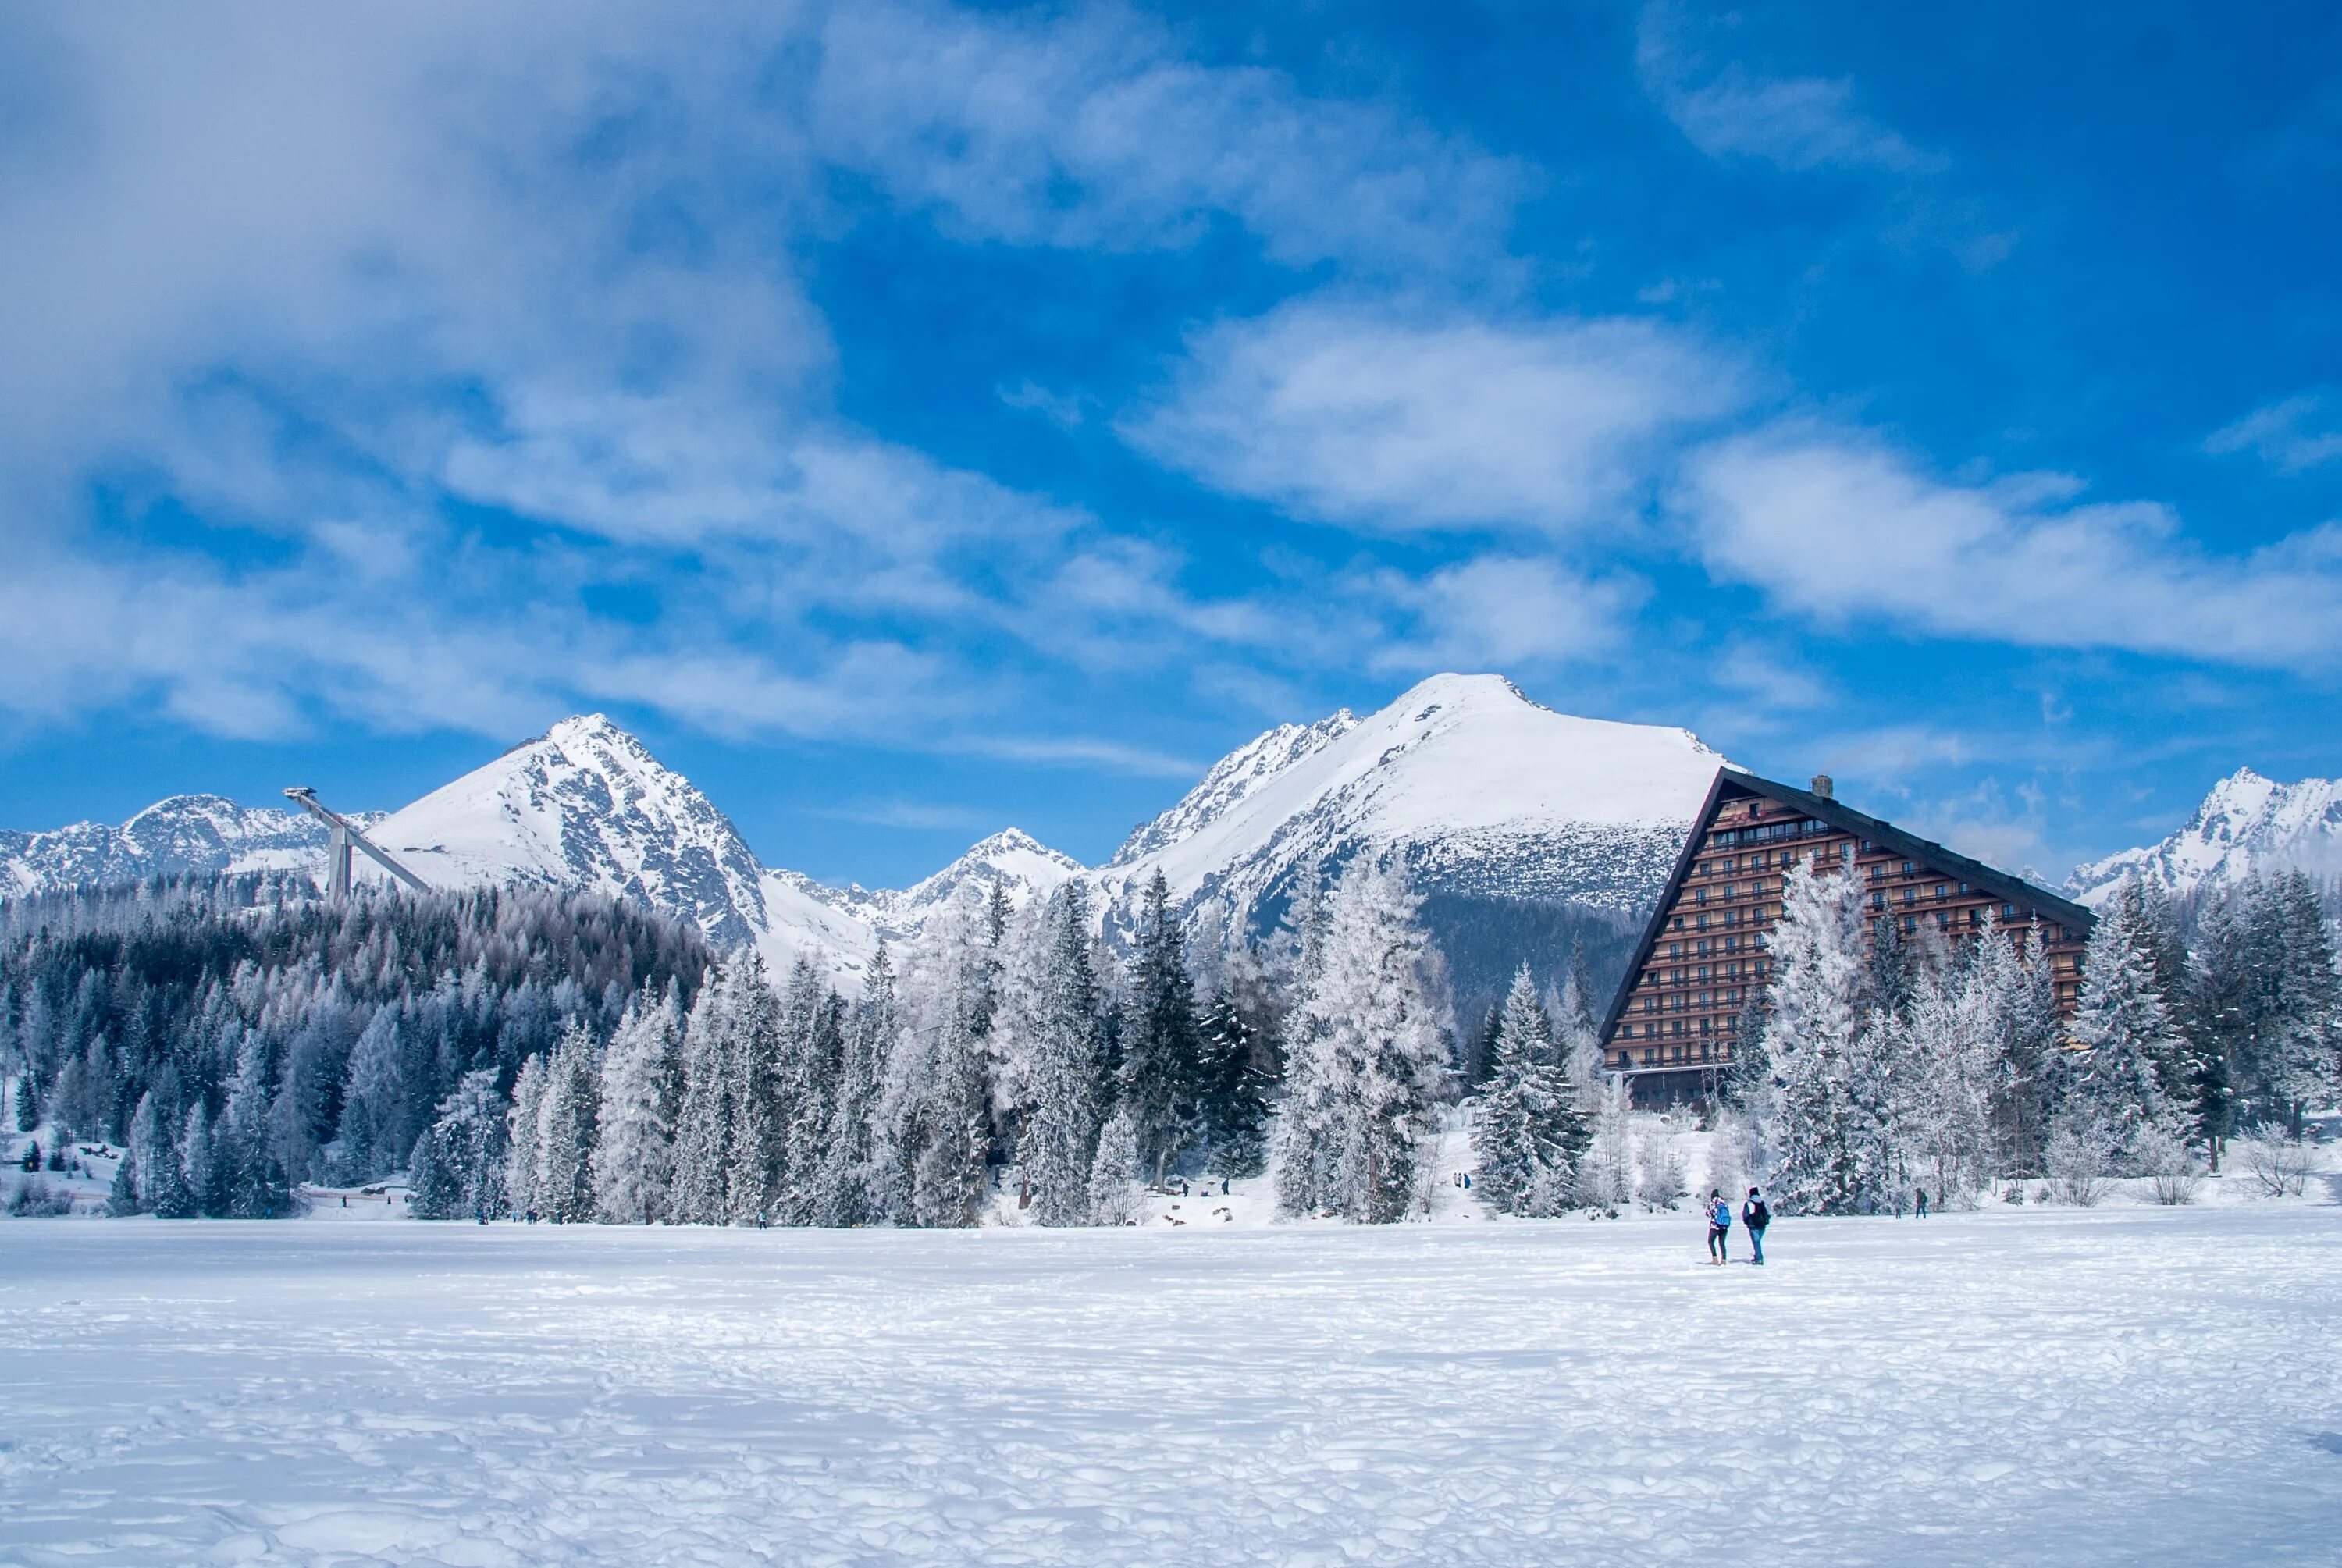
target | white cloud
x=437, y=319
x=1368, y=416
x=1729, y=110
x=1089, y=129
x=2283, y=434
x=1498, y=612
x=1840, y=527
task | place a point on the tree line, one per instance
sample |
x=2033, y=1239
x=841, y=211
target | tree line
x=1872, y=1068
x=526, y=1051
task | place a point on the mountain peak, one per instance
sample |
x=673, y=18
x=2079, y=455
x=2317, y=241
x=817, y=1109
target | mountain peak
x=2246, y=823
x=1478, y=787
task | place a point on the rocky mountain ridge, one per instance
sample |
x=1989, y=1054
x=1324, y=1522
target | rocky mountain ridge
x=2246, y=823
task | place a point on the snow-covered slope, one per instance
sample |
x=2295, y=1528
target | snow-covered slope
x=1482, y=791
x=2247, y=823
x=585, y=805
x=193, y=834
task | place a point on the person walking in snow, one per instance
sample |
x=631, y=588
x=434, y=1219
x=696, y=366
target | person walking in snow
x=1923, y=1203
x=1719, y=1224
x=1755, y=1216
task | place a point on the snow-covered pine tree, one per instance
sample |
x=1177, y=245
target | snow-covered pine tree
x=703, y=1122
x=525, y=1136
x=566, y=1120
x=2302, y=1044
x=850, y=1183
x=1235, y=1088
x=2116, y=1088
x=1111, y=1200
x=1893, y=971
x=2224, y=1014
x=935, y=1103
x=1531, y=1137
x=375, y=1103
x=1370, y=1060
x=634, y=1136
x=1946, y=1085
x=811, y=1050
x=1161, y=1070
x=754, y=1161
x=194, y=1165
x=121, y=1199
x=1607, y=1179
x=1813, y=1019
x=1576, y=1033
x=1060, y=1134
x=458, y=1168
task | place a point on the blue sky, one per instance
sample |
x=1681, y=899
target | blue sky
x=913, y=419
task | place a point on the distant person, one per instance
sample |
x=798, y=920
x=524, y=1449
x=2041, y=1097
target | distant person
x=1923, y=1203
x=1755, y=1216
x=1719, y=1225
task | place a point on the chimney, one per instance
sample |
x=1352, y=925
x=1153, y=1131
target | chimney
x=1821, y=787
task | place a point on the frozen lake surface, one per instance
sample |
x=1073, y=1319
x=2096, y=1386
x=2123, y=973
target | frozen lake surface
x=2048, y=1386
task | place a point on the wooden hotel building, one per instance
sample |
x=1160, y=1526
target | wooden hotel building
x=1705, y=953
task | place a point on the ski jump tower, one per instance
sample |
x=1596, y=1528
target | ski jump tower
x=343, y=837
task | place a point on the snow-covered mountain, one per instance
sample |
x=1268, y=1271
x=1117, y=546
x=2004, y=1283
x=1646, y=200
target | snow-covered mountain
x=2247, y=823
x=1495, y=802
x=1483, y=792
x=587, y=805
x=189, y=834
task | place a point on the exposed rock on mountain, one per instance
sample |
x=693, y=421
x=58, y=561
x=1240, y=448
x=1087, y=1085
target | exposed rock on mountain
x=2247, y=823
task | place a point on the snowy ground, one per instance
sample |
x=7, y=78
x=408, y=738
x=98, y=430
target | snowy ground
x=2131, y=1385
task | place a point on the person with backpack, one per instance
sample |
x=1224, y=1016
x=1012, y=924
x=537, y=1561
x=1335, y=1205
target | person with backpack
x=1719, y=1225
x=1755, y=1216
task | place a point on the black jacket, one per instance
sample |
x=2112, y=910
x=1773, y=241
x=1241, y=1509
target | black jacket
x=1755, y=1214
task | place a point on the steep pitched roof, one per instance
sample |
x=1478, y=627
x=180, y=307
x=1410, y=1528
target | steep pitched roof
x=1732, y=784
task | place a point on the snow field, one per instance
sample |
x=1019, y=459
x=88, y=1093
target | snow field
x=2134, y=1385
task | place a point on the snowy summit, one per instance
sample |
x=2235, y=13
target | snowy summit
x=2246, y=825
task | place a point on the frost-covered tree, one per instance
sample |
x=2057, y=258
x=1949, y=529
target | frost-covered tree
x=1236, y=1082
x=458, y=1167
x=1576, y=1033
x=523, y=1140
x=755, y=1160
x=1111, y=1200
x=850, y=1184
x=1606, y=1178
x=567, y=1124
x=641, y=1091
x=1062, y=1019
x=703, y=1129
x=2300, y=1056
x=1369, y=1057
x=1948, y=1075
x=936, y=1103
x=1817, y=1145
x=1531, y=1137
x=1162, y=1049
x=377, y=1119
x=2119, y=1081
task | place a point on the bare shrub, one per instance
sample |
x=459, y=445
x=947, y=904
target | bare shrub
x=2170, y=1165
x=2077, y=1159
x=2278, y=1164
x=34, y=1198
x=1659, y=1178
